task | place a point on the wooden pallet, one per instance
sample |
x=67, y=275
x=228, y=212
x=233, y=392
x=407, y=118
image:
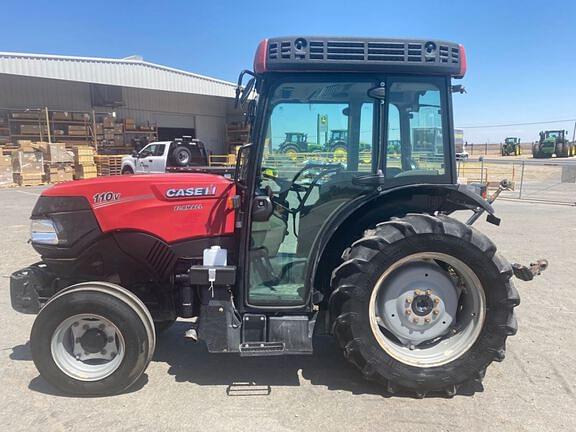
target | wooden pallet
x=108, y=165
x=28, y=180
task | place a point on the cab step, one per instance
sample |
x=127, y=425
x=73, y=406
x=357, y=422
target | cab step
x=253, y=349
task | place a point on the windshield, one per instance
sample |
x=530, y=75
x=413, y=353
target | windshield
x=340, y=122
x=552, y=134
x=510, y=140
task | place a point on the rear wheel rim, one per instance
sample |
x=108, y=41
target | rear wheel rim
x=396, y=334
x=87, y=347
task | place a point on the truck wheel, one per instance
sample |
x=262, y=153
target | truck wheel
x=423, y=304
x=181, y=156
x=127, y=170
x=93, y=339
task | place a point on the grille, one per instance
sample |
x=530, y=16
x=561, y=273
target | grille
x=161, y=258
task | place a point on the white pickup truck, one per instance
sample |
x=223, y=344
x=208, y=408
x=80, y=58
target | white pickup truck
x=156, y=157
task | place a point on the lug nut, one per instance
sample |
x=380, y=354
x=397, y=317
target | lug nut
x=103, y=352
x=408, y=311
x=408, y=300
x=436, y=300
x=110, y=339
x=415, y=320
x=427, y=319
x=101, y=326
x=429, y=292
x=435, y=312
x=417, y=292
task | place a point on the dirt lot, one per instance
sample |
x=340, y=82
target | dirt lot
x=186, y=388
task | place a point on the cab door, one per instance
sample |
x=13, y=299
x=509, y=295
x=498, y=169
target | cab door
x=144, y=161
x=158, y=159
x=151, y=159
x=307, y=189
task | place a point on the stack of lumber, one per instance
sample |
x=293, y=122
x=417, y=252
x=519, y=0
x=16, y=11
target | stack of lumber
x=58, y=162
x=108, y=165
x=85, y=167
x=6, y=173
x=27, y=165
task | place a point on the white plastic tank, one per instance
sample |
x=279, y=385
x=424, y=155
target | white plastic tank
x=215, y=256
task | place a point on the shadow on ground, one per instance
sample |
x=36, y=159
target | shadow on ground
x=248, y=376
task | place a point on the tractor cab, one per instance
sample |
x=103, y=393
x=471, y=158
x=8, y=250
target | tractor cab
x=553, y=135
x=294, y=143
x=378, y=105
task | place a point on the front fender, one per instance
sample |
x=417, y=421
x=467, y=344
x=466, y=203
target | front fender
x=129, y=163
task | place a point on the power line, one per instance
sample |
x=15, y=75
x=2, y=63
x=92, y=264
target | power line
x=515, y=124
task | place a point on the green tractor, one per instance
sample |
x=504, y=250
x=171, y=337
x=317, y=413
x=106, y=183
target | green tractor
x=294, y=143
x=553, y=142
x=338, y=143
x=511, y=147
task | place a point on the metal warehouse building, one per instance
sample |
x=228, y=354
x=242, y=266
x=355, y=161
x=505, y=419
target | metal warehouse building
x=149, y=100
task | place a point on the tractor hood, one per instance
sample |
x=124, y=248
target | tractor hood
x=170, y=206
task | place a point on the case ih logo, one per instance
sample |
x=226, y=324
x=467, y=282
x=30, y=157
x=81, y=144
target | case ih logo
x=200, y=191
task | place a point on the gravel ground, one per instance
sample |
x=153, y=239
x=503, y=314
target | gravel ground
x=532, y=390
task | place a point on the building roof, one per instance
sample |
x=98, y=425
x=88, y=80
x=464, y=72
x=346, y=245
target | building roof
x=129, y=72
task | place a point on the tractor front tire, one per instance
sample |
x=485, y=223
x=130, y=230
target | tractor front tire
x=395, y=260
x=93, y=339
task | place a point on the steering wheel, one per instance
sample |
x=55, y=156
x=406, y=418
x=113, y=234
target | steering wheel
x=302, y=191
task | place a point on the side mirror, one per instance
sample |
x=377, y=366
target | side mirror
x=262, y=208
x=134, y=153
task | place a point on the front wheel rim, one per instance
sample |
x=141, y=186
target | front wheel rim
x=87, y=347
x=458, y=336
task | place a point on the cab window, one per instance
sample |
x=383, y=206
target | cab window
x=416, y=123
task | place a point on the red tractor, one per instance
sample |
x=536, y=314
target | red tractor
x=417, y=300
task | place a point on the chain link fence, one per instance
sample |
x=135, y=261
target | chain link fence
x=552, y=181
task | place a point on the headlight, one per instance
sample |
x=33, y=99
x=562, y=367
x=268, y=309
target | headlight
x=43, y=231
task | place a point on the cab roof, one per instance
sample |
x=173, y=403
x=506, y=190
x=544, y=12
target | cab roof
x=348, y=54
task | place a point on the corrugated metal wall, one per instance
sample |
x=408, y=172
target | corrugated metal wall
x=208, y=114
x=120, y=72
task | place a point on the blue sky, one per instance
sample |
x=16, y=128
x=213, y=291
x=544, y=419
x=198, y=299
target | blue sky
x=521, y=54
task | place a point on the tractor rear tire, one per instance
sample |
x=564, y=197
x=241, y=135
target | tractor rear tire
x=93, y=339
x=357, y=284
x=291, y=151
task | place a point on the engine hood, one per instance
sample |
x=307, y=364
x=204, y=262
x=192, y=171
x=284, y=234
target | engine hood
x=170, y=206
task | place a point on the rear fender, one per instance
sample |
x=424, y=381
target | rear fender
x=349, y=221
